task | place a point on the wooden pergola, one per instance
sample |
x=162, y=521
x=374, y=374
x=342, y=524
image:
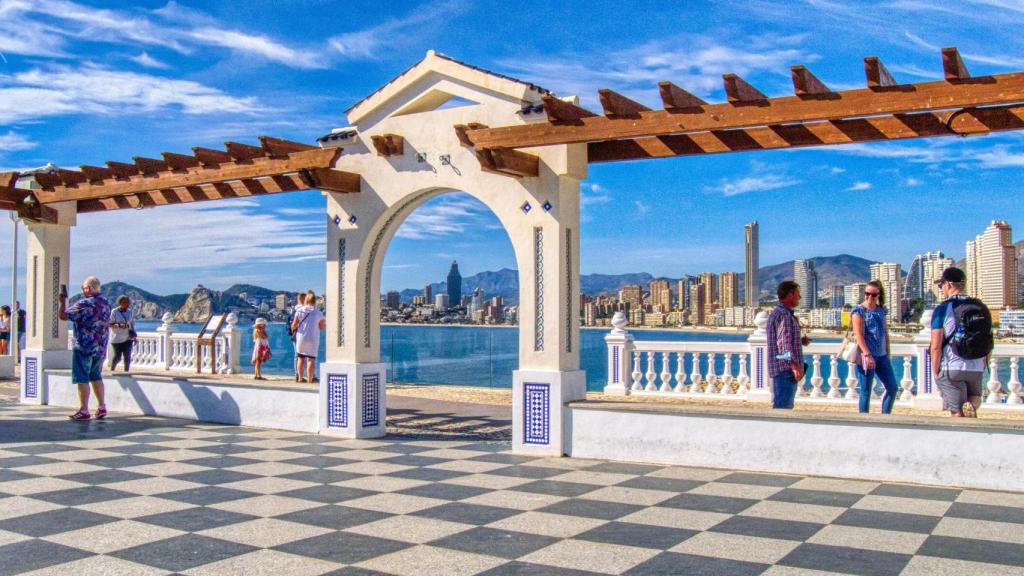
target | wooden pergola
x=239, y=170
x=815, y=115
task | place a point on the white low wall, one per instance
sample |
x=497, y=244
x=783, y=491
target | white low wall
x=265, y=407
x=973, y=457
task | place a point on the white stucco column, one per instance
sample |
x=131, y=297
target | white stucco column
x=760, y=382
x=46, y=341
x=352, y=378
x=620, y=351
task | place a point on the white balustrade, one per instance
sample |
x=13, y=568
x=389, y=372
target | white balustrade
x=680, y=372
x=833, y=377
x=994, y=386
x=907, y=382
x=727, y=378
x=816, y=380
x=743, y=379
x=695, y=377
x=666, y=376
x=1014, y=384
x=711, y=378
x=651, y=374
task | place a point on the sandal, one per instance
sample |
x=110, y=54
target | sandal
x=80, y=415
x=101, y=412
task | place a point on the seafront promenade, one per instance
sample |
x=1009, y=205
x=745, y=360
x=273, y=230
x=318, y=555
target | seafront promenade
x=443, y=494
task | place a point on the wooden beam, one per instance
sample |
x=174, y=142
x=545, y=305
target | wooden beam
x=562, y=112
x=244, y=152
x=922, y=97
x=462, y=129
x=179, y=161
x=71, y=177
x=877, y=74
x=10, y=197
x=515, y=163
x=953, y=66
x=278, y=147
x=739, y=91
x=48, y=180
x=878, y=128
x=211, y=157
x=807, y=84
x=122, y=169
x=333, y=180
x=97, y=173
x=380, y=144
x=256, y=168
x=675, y=99
x=388, y=144
x=150, y=166
x=616, y=105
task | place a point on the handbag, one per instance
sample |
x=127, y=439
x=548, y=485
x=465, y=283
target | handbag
x=850, y=351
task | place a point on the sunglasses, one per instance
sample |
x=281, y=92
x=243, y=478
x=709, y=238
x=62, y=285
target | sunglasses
x=872, y=293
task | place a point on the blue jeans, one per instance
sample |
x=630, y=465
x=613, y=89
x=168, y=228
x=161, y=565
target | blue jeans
x=85, y=368
x=783, y=390
x=883, y=369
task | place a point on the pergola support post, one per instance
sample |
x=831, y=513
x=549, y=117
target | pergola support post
x=46, y=346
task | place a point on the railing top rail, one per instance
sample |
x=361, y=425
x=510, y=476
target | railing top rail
x=663, y=346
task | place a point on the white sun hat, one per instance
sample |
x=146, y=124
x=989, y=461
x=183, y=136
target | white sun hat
x=260, y=322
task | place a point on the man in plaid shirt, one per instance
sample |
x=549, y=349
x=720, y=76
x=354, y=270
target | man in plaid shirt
x=785, y=346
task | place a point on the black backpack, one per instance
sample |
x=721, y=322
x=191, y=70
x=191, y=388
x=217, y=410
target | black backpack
x=972, y=337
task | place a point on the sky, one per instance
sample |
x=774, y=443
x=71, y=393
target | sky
x=85, y=82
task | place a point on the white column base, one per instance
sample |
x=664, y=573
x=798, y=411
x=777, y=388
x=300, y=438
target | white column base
x=34, y=363
x=538, y=413
x=352, y=399
x=927, y=402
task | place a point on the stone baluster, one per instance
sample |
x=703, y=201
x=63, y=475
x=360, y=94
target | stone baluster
x=620, y=349
x=651, y=374
x=1014, y=397
x=816, y=380
x=851, y=382
x=907, y=382
x=926, y=396
x=833, y=377
x=743, y=379
x=232, y=346
x=637, y=374
x=166, y=330
x=680, y=372
x=666, y=376
x=760, y=389
x=695, y=377
x=711, y=377
x=995, y=387
x=727, y=378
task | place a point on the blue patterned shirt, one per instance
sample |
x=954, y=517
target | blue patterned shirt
x=91, y=317
x=783, y=339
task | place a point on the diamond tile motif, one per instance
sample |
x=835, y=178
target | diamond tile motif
x=337, y=400
x=536, y=413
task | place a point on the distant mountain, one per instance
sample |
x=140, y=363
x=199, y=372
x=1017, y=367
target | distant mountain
x=145, y=304
x=504, y=283
x=203, y=302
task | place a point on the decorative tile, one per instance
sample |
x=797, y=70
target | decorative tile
x=337, y=400
x=371, y=400
x=536, y=413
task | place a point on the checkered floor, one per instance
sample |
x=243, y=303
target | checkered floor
x=136, y=495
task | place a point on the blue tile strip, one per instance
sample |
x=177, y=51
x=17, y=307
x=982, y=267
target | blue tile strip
x=536, y=413
x=31, y=378
x=337, y=401
x=371, y=400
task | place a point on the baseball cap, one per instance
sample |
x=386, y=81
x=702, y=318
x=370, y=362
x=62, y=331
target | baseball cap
x=952, y=275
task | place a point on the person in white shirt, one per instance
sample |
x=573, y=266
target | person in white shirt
x=307, y=325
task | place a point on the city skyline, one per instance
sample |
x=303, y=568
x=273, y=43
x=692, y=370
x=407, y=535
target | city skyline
x=179, y=88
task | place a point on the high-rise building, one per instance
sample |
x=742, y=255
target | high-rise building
x=454, y=284
x=992, y=273
x=697, y=304
x=853, y=294
x=428, y=293
x=632, y=295
x=476, y=302
x=920, y=280
x=805, y=275
x=890, y=274
x=393, y=301
x=281, y=301
x=709, y=285
x=661, y=296
x=441, y=302
x=836, y=296
x=751, y=285
x=728, y=292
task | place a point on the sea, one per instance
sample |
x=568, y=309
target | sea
x=478, y=355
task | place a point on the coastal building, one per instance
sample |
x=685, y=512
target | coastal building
x=805, y=275
x=709, y=285
x=632, y=295
x=281, y=301
x=661, y=295
x=728, y=292
x=853, y=294
x=697, y=299
x=393, y=300
x=419, y=300
x=441, y=302
x=890, y=274
x=428, y=293
x=921, y=276
x=836, y=296
x=992, y=272
x=1011, y=322
x=454, y=285
x=826, y=318
x=751, y=286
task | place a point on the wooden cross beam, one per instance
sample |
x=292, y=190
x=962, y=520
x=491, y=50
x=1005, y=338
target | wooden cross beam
x=677, y=99
x=953, y=66
x=807, y=84
x=616, y=105
x=388, y=144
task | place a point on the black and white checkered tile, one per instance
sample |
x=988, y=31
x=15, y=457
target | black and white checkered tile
x=136, y=495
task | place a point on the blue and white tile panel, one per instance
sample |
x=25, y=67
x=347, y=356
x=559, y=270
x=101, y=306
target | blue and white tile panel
x=536, y=413
x=371, y=400
x=337, y=401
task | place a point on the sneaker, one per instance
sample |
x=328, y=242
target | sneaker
x=101, y=412
x=80, y=415
x=969, y=411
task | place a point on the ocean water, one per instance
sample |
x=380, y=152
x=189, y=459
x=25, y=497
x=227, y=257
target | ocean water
x=478, y=355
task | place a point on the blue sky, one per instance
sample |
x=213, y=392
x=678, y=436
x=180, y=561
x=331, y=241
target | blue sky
x=85, y=82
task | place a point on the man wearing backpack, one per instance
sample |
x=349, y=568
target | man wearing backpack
x=960, y=345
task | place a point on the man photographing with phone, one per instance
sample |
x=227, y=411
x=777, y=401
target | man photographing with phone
x=91, y=318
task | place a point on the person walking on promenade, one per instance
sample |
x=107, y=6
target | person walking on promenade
x=872, y=335
x=785, y=346
x=260, y=347
x=20, y=312
x=960, y=346
x=91, y=318
x=5, y=330
x=122, y=333
x=307, y=324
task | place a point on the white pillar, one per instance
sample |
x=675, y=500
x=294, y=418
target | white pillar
x=46, y=345
x=232, y=350
x=166, y=330
x=760, y=388
x=620, y=350
x=927, y=393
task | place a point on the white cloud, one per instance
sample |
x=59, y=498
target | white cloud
x=368, y=43
x=859, y=186
x=95, y=90
x=641, y=208
x=592, y=193
x=451, y=214
x=148, y=61
x=14, y=142
x=259, y=46
x=837, y=170
x=911, y=182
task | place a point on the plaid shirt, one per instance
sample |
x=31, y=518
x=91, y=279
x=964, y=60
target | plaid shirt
x=783, y=336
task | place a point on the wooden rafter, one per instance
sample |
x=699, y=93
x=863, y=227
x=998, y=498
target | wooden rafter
x=616, y=105
x=241, y=170
x=388, y=144
x=807, y=84
x=882, y=97
x=562, y=112
x=953, y=66
x=675, y=98
x=739, y=91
